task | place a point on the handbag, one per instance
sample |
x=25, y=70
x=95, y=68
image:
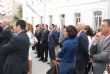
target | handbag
x=33, y=40
x=54, y=68
x=108, y=69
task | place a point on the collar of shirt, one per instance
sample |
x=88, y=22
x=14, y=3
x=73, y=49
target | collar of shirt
x=45, y=30
x=5, y=27
x=107, y=37
x=79, y=33
x=19, y=32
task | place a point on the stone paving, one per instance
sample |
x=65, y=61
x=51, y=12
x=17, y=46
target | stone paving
x=39, y=67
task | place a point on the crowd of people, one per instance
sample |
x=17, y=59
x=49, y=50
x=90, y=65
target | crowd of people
x=80, y=51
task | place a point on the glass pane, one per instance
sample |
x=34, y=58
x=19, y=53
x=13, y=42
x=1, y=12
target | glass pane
x=77, y=17
x=41, y=20
x=62, y=19
x=51, y=19
x=97, y=19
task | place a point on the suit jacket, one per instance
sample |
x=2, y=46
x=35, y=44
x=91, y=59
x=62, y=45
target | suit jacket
x=1, y=29
x=17, y=50
x=61, y=37
x=5, y=36
x=44, y=37
x=102, y=51
x=82, y=56
x=53, y=39
x=38, y=35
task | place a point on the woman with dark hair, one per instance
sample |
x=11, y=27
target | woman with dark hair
x=68, y=50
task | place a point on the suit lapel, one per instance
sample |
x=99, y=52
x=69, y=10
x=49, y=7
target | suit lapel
x=105, y=43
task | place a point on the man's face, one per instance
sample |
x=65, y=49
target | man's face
x=2, y=24
x=104, y=28
x=62, y=28
x=15, y=28
x=45, y=27
x=78, y=27
x=50, y=27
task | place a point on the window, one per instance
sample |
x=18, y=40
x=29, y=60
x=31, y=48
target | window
x=32, y=1
x=32, y=20
x=51, y=19
x=77, y=17
x=62, y=19
x=97, y=19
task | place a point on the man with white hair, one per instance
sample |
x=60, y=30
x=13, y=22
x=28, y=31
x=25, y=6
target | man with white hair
x=5, y=36
x=82, y=55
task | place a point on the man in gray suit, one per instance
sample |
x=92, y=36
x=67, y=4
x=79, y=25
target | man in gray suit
x=100, y=49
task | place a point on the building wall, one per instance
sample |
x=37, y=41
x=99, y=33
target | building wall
x=55, y=8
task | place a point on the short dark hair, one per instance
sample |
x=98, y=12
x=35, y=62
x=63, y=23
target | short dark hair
x=72, y=32
x=37, y=25
x=63, y=26
x=22, y=24
x=46, y=25
x=53, y=25
x=89, y=31
x=108, y=21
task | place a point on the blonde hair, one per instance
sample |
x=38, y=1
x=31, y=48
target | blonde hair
x=6, y=22
x=29, y=27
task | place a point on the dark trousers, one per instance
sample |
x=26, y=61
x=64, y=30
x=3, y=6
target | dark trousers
x=88, y=68
x=80, y=71
x=52, y=53
x=39, y=49
x=2, y=62
x=34, y=47
x=1, y=66
x=44, y=50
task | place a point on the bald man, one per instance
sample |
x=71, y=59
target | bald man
x=82, y=54
x=5, y=36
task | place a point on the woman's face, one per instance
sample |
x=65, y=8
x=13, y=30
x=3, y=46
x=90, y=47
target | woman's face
x=65, y=34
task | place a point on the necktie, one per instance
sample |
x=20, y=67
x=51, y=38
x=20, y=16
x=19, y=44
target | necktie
x=49, y=36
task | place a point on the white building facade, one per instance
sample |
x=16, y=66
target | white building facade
x=66, y=12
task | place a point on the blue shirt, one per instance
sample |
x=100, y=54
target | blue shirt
x=68, y=50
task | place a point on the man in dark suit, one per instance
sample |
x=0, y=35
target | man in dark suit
x=5, y=36
x=17, y=49
x=1, y=29
x=44, y=43
x=38, y=36
x=82, y=56
x=52, y=41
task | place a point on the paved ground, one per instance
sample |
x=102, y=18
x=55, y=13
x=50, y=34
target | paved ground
x=38, y=66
